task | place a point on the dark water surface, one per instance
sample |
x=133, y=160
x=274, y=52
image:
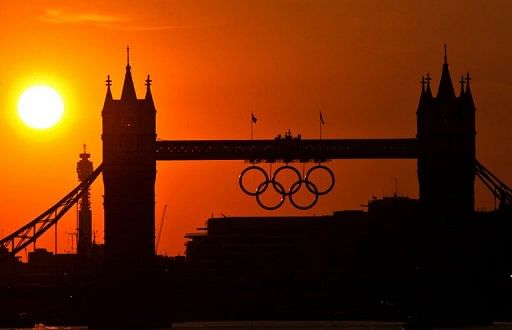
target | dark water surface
x=354, y=325
x=262, y=325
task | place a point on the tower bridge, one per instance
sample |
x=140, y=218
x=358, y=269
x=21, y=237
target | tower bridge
x=446, y=164
x=287, y=150
x=444, y=147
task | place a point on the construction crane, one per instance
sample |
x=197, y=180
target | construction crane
x=160, y=229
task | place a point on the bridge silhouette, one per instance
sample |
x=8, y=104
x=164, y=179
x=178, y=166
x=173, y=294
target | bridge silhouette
x=444, y=147
x=447, y=166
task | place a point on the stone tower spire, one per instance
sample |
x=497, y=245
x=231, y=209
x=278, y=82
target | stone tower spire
x=445, y=90
x=128, y=92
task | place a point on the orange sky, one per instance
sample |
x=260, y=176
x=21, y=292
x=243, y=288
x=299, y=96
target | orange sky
x=213, y=62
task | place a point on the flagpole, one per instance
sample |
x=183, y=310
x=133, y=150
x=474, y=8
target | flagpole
x=253, y=121
x=320, y=122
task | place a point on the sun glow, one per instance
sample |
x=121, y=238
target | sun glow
x=40, y=107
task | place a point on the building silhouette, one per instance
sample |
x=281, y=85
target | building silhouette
x=433, y=259
x=129, y=136
x=84, y=168
x=349, y=264
x=128, y=280
x=446, y=137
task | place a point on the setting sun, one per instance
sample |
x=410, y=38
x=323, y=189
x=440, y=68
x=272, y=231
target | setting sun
x=40, y=107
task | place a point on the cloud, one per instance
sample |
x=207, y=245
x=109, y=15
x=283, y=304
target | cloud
x=56, y=16
x=127, y=27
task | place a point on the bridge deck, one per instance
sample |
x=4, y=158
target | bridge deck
x=287, y=149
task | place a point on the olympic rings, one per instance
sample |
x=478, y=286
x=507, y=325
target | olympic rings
x=260, y=203
x=281, y=189
x=314, y=190
x=331, y=174
x=292, y=190
x=258, y=191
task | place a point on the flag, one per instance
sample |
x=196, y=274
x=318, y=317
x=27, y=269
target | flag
x=322, y=118
x=253, y=118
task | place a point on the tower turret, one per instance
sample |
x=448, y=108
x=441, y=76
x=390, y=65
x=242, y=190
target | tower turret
x=446, y=137
x=149, y=96
x=468, y=97
x=108, y=96
x=461, y=82
x=129, y=169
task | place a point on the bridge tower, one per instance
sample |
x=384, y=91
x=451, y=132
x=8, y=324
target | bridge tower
x=446, y=138
x=84, y=168
x=129, y=171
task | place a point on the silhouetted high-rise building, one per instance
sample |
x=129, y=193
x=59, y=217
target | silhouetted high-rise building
x=446, y=137
x=84, y=168
x=129, y=175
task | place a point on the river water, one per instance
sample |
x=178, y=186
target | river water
x=263, y=325
x=353, y=325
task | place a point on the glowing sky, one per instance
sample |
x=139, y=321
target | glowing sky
x=213, y=62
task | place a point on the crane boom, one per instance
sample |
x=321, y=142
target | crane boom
x=160, y=229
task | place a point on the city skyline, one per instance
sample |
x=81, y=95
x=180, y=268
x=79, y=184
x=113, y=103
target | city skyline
x=212, y=70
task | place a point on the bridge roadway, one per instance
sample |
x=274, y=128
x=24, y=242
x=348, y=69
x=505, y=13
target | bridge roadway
x=287, y=149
